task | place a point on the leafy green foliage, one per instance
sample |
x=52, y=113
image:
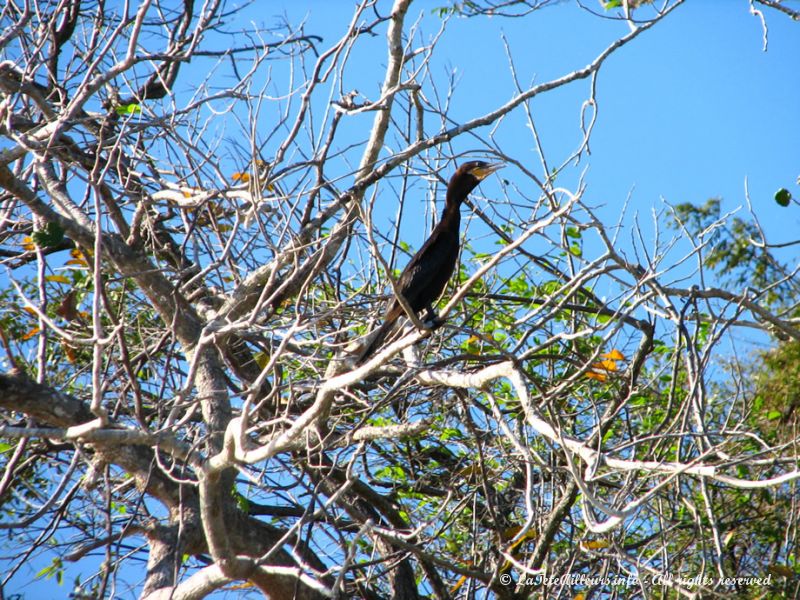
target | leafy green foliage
x=128, y=109
x=735, y=249
x=456, y=8
x=777, y=383
x=52, y=234
x=783, y=197
x=55, y=570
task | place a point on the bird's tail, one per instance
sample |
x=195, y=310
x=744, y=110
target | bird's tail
x=377, y=338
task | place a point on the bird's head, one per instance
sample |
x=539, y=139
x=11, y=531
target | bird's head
x=479, y=169
x=469, y=175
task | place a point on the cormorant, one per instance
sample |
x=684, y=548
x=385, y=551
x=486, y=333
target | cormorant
x=427, y=273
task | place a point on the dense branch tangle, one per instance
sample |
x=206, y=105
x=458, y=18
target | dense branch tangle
x=194, y=232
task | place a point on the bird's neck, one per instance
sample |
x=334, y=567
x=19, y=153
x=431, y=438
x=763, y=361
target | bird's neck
x=452, y=210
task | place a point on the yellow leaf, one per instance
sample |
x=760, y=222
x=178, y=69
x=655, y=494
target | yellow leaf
x=458, y=584
x=469, y=470
x=728, y=538
x=57, y=278
x=190, y=192
x=30, y=311
x=512, y=531
x=781, y=570
x=529, y=535
x=28, y=244
x=614, y=355
x=261, y=358
x=595, y=544
x=579, y=596
x=471, y=344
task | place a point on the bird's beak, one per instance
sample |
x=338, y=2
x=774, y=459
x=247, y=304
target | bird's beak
x=482, y=173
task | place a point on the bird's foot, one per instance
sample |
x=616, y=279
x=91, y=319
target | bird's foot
x=433, y=321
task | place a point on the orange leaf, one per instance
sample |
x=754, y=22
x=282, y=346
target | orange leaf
x=32, y=333
x=28, y=244
x=240, y=586
x=597, y=376
x=606, y=365
x=69, y=351
x=243, y=177
x=80, y=255
x=614, y=355
x=68, y=308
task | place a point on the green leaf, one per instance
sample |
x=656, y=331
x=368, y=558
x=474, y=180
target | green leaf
x=575, y=250
x=54, y=569
x=242, y=502
x=774, y=414
x=451, y=433
x=573, y=232
x=128, y=109
x=392, y=472
x=51, y=235
x=550, y=287
x=783, y=197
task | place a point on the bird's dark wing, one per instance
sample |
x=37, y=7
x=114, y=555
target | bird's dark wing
x=421, y=282
x=427, y=273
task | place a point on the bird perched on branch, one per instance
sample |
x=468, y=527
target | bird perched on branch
x=427, y=273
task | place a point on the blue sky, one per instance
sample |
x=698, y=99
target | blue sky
x=687, y=111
